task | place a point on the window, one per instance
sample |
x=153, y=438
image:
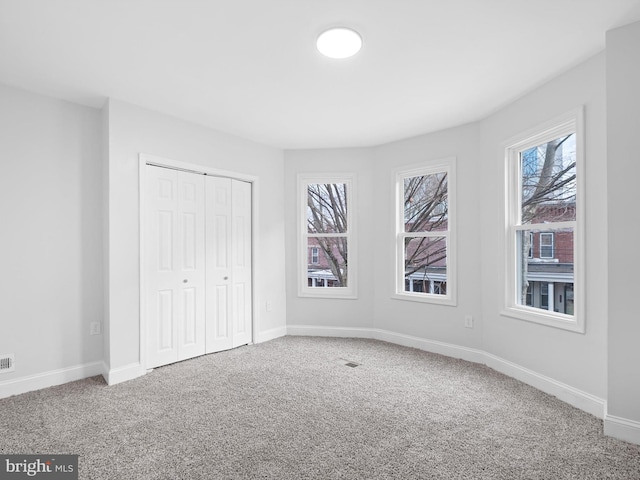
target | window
x=544, y=208
x=425, y=242
x=546, y=245
x=314, y=255
x=326, y=236
x=544, y=295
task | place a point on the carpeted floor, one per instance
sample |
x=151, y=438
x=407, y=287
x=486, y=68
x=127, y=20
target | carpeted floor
x=292, y=409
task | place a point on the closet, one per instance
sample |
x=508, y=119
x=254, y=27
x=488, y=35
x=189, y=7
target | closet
x=197, y=264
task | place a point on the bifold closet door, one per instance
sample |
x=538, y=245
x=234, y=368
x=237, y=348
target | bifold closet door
x=174, y=266
x=228, y=238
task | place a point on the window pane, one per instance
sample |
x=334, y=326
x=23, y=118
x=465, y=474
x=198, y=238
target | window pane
x=327, y=208
x=548, y=181
x=331, y=267
x=425, y=265
x=426, y=203
x=544, y=282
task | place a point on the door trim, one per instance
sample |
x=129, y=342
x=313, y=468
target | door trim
x=145, y=159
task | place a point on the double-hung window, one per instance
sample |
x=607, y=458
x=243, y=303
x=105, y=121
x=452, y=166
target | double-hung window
x=424, y=236
x=544, y=201
x=326, y=259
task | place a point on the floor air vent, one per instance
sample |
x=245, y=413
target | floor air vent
x=7, y=363
x=347, y=363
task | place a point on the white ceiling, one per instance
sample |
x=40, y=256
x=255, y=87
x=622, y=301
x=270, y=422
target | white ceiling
x=250, y=68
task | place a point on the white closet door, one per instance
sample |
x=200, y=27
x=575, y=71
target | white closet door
x=228, y=225
x=218, y=224
x=174, y=266
x=241, y=262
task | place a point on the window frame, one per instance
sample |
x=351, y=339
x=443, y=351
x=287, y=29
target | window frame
x=432, y=167
x=571, y=122
x=304, y=290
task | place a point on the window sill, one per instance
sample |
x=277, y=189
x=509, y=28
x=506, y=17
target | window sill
x=541, y=317
x=426, y=298
x=331, y=294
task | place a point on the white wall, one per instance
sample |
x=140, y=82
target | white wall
x=134, y=130
x=342, y=313
x=538, y=354
x=50, y=241
x=575, y=359
x=428, y=321
x=374, y=308
x=623, y=124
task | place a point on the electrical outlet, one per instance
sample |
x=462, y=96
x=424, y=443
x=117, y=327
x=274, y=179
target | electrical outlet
x=94, y=328
x=468, y=321
x=269, y=306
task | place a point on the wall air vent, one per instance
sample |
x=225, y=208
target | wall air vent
x=7, y=363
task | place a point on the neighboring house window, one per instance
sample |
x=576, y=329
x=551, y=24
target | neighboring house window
x=544, y=295
x=326, y=230
x=425, y=242
x=546, y=245
x=544, y=170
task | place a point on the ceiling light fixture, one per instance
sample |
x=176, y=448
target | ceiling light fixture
x=340, y=42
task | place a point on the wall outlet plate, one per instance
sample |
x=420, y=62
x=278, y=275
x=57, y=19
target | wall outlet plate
x=468, y=321
x=94, y=328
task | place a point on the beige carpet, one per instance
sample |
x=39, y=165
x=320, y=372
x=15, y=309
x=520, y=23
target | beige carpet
x=292, y=409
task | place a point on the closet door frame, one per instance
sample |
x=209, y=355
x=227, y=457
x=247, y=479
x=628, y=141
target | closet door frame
x=147, y=159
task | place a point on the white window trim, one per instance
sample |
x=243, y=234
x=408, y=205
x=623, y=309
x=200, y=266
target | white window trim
x=426, y=168
x=572, y=121
x=350, y=291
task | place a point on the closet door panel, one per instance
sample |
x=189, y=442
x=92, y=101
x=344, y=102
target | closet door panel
x=174, y=266
x=219, y=295
x=191, y=265
x=241, y=263
x=160, y=265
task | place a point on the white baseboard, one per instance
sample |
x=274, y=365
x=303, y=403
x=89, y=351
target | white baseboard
x=584, y=401
x=52, y=378
x=270, y=334
x=622, y=429
x=433, y=346
x=121, y=374
x=343, y=332
x=577, y=398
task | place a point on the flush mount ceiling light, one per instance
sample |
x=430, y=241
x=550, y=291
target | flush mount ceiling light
x=340, y=42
